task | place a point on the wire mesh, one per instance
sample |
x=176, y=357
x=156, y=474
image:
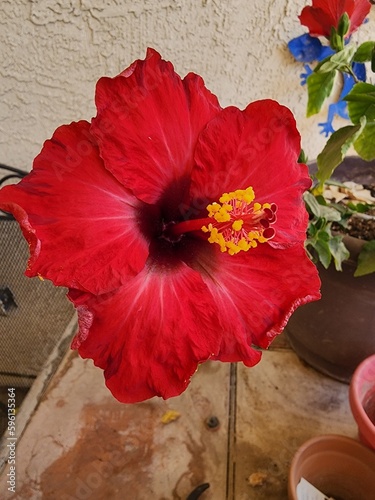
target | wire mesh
x=34, y=314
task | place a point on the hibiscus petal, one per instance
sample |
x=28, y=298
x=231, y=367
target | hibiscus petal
x=323, y=15
x=80, y=222
x=317, y=21
x=257, y=147
x=147, y=124
x=149, y=335
x=262, y=288
x=360, y=10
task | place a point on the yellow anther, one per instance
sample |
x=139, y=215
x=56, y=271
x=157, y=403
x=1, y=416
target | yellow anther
x=249, y=195
x=239, y=222
x=222, y=214
x=237, y=225
x=213, y=208
x=244, y=245
x=225, y=197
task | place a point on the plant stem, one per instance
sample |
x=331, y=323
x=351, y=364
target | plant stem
x=352, y=74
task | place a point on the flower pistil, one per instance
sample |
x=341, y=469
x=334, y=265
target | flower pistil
x=236, y=223
x=239, y=223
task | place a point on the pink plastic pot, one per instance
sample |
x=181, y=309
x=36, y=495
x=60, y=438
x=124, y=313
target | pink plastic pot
x=362, y=400
x=338, y=466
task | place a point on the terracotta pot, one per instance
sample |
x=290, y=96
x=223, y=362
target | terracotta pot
x=337, y=466
x=362, y=400
x=337, y=332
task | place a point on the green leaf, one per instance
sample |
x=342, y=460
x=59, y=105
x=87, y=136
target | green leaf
x=319, y=87
x=328, y=66
x=322, y=248
x=344, y=57
x=321, y=251
x=361, y=102
x=320, y=64
x=326, y=246
x=312, y=203
x=365, y=142
x=336, y=149
x=321, y=211
x=339, y=251
x=366, y=259
x=340, y=61
x=330, y=213
x=361, y=208
x=364, y=52
x=335, y=40
x=302, y=157
x=343, y=25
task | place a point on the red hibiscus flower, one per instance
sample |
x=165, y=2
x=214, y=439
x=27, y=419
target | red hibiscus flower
x=177, y=225
x=325, y=14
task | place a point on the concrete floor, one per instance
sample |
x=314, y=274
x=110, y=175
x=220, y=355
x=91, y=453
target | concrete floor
x=81, y=443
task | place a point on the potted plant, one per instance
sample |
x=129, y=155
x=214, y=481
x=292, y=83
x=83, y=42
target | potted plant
x=338, y=332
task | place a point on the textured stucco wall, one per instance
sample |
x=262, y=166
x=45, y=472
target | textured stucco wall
x=53, y=52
